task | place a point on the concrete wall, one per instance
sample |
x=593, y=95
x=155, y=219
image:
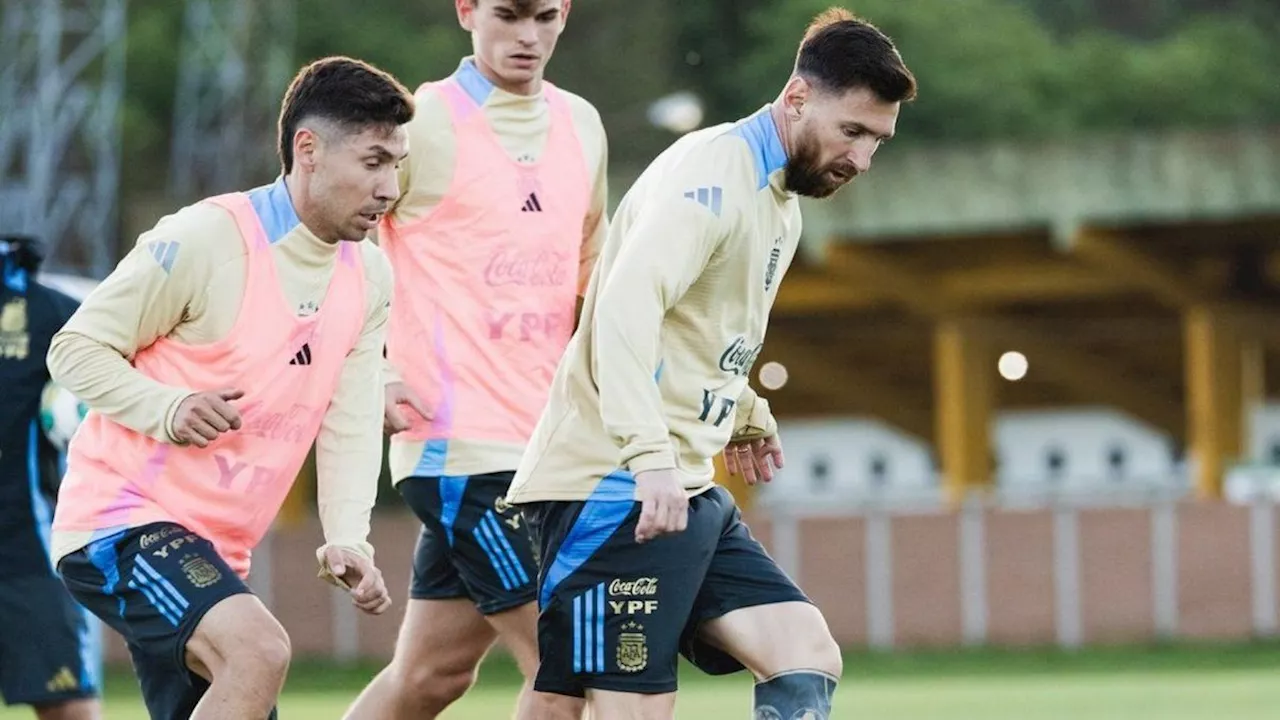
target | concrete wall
x=908, y=580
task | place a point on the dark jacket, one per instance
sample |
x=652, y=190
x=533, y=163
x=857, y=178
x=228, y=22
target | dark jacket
x=30, y=467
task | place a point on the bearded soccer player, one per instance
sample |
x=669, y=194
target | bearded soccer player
x=644, y=556
x=237, y=332
x=492, y=242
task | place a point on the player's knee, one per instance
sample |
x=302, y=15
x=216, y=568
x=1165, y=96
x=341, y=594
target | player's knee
x=825, y=654
x=260, y=654
x=807, y=647
x=270, y=654
x=549, y=706
x=71, y=710
x=239, y=638
x=811, y=648
x=434, y=687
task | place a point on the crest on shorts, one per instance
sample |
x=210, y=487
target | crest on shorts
x=200, y=572
x=633, y=648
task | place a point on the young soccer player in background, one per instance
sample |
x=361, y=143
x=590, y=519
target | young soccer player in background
x=502, y=214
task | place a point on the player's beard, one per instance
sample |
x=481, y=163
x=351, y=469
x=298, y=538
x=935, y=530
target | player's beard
x=804, y=176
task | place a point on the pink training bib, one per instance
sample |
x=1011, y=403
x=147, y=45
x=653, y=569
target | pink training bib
x=288, y=368
x=486, y=283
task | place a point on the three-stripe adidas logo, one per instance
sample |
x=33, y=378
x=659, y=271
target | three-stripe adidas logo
x=709, y=197
x=588, y=631
x=62, y=681
x=502, y=556
x=532, y=204
x=159, y=591
x=164, y=253
x=303, y=357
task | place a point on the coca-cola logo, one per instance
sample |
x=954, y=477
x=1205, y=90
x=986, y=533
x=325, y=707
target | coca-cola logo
x=739, y=356
x=640, y=587
x=534, y=268
x=293, y=425
x=155, y=537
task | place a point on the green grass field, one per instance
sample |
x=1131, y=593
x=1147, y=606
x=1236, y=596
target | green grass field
x=1174, y=683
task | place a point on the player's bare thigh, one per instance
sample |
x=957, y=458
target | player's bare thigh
x=775, y=638
x=550, y=706
x=238, y=635
x=630, y=706
x=443, y=637
x=599, y=704
x=518, y=628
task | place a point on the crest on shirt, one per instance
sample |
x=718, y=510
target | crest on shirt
x=771, y=271
x=15, y=342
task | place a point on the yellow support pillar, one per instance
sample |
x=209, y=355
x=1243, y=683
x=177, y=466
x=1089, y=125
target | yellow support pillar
x=743, y=493
x=1217, y=389
x=298, y=502
x=963, y=400
x=1253, y=386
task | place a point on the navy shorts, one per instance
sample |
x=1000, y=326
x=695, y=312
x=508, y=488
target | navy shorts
x=616, y=615
x=50, y=648
x=473, y=544
x=153, y=584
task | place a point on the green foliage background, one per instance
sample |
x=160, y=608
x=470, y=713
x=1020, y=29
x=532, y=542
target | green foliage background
x=986, y=68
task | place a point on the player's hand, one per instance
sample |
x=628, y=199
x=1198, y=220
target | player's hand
x=202, y=417
x=755, y=460
x=393, y=418
x=359, y=577
x=664, y=506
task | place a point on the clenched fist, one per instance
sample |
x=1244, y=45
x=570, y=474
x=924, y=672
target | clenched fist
x=202, y=417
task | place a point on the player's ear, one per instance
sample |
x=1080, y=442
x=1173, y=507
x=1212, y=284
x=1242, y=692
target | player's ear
x=466, y=13
x=565, y=7
x=306, y=143
x=795, y=95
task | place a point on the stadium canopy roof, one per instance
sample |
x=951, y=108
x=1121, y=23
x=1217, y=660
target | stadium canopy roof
x=1137, y=272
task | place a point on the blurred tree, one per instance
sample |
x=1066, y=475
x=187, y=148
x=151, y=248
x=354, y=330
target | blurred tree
x=987, y=68
x=1148, y=19
x=415, y=41
x=1215, y=71
x=616, y=57
x=151, y=61
x=709, y=39
x=992, y=68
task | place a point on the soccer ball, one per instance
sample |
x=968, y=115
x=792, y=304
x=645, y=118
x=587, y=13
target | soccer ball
x=60, y=414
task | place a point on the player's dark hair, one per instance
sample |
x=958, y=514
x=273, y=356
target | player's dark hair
x=23, y=251
x=350, y=93
x=841, y=52
x=523, y=8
